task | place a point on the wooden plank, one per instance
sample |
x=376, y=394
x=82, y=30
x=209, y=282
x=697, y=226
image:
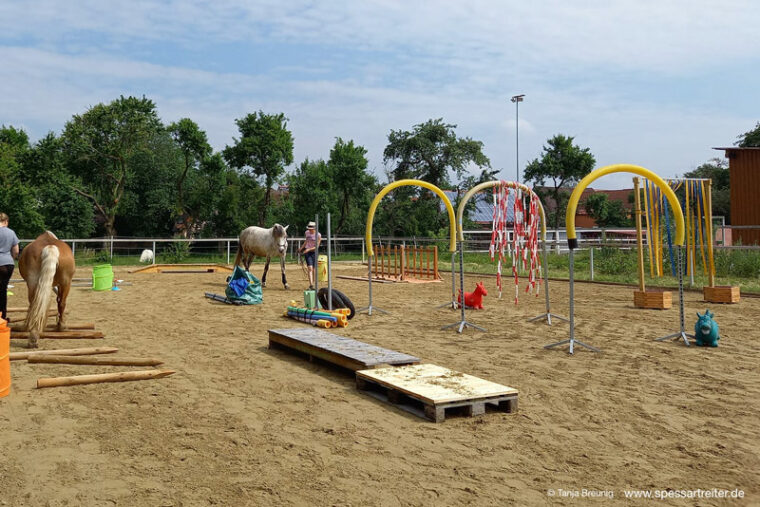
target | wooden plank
x=434, y=384
x=190, y=268
x=63, y=335
x=337, y=349
x=364, y=279
x=436, y=412
x=54, y=327
x=102, y=377
x=110, y=361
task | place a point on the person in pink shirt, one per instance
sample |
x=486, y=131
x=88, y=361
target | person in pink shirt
x=309, y=247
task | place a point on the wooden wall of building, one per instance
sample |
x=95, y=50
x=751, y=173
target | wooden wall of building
x=744, y=167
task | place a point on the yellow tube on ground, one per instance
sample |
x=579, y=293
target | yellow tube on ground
x=572, y=205
x=416, y=183
x=488, y=184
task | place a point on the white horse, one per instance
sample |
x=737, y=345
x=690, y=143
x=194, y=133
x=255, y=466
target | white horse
x=263, y=243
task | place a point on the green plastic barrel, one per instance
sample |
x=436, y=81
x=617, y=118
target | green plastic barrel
x=102, y=277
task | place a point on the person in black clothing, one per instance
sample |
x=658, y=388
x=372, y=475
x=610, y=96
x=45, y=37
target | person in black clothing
x=8, y=254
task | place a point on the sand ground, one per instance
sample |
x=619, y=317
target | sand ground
x=240, y=424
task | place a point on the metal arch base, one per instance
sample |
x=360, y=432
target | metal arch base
x=572, y=342
x=680, y=335
x=463, y=324
x=548, y=315
x=371, y=307
x=453, y=303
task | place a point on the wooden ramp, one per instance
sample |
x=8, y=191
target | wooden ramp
x=429, y=390
x=183, y=268
x=339, y=350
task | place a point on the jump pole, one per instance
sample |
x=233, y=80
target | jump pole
x=329, y=266
x=453, y=303
x=463, y=320
x=316, y=260
x=682, y=335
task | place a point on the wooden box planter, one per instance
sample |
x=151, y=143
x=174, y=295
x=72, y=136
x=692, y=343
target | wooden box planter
x=721, y=294
x=655, y=300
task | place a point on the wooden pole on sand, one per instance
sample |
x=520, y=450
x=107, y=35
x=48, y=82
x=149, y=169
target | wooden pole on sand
x=17, y=356
x=111, y=361
x=639, y=241
x=125, y=376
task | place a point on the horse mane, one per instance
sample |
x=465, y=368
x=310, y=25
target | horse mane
x=278, y=231
x=51, y=233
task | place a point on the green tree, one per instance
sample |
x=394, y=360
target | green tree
x=430, y=150
x=193, y=144
x=750, y=139
x=148, y=205
x=100, y=144
x=606, y=213
x=232, y=211
x=312, y=190
x=563, y=164
x=348, y=172
x=17, y=198
x=717, y=170
x=66, y=213
x=266, y=147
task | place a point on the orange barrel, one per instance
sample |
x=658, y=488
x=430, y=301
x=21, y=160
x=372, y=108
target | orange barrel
x=5, y=360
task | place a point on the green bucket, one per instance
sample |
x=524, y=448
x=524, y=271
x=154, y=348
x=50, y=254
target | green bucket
x=102, y=277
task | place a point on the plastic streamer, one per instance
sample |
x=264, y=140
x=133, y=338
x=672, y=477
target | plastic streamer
x=522, y=247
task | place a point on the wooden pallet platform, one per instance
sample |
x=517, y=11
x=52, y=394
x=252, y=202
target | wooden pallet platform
x=721, y=294
x=339, y=350
x=184, y=268
x=653, y=299
x=429, y=390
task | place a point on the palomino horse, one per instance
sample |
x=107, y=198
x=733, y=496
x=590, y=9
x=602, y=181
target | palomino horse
x=45, y=263
x=264, y=243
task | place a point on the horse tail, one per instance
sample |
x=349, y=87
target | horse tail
x=35, y=319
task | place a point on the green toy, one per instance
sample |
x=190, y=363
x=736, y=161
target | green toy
x=706, y=330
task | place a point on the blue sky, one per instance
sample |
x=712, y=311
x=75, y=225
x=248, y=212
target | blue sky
x=652, y=83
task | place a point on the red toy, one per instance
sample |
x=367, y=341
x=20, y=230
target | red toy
x=474, y=299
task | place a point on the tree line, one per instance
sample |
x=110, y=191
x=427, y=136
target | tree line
x=118, y=170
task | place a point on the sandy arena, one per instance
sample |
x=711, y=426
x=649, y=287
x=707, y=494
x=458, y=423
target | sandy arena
x=239, y=424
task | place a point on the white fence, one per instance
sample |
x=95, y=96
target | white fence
x=223, y=250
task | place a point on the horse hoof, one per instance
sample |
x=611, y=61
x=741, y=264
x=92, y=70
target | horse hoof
x=32, y=344
x=287, y=286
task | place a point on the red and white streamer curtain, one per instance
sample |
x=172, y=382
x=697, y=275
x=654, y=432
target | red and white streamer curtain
x=524, y=243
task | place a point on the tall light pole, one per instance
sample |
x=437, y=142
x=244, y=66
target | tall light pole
x=517, y=99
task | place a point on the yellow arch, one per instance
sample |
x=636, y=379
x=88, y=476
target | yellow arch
x=416, y=183
x=488, y=184
x=572, y=205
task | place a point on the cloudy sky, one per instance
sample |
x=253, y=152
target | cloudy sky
x=653, y=83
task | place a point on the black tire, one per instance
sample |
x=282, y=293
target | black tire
x=339, y=300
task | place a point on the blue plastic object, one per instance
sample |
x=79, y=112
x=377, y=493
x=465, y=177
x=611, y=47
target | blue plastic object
x=238, y=285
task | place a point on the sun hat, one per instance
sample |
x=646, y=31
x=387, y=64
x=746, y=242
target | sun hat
x=311, y=225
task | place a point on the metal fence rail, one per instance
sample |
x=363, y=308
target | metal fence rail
x=223, y=250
